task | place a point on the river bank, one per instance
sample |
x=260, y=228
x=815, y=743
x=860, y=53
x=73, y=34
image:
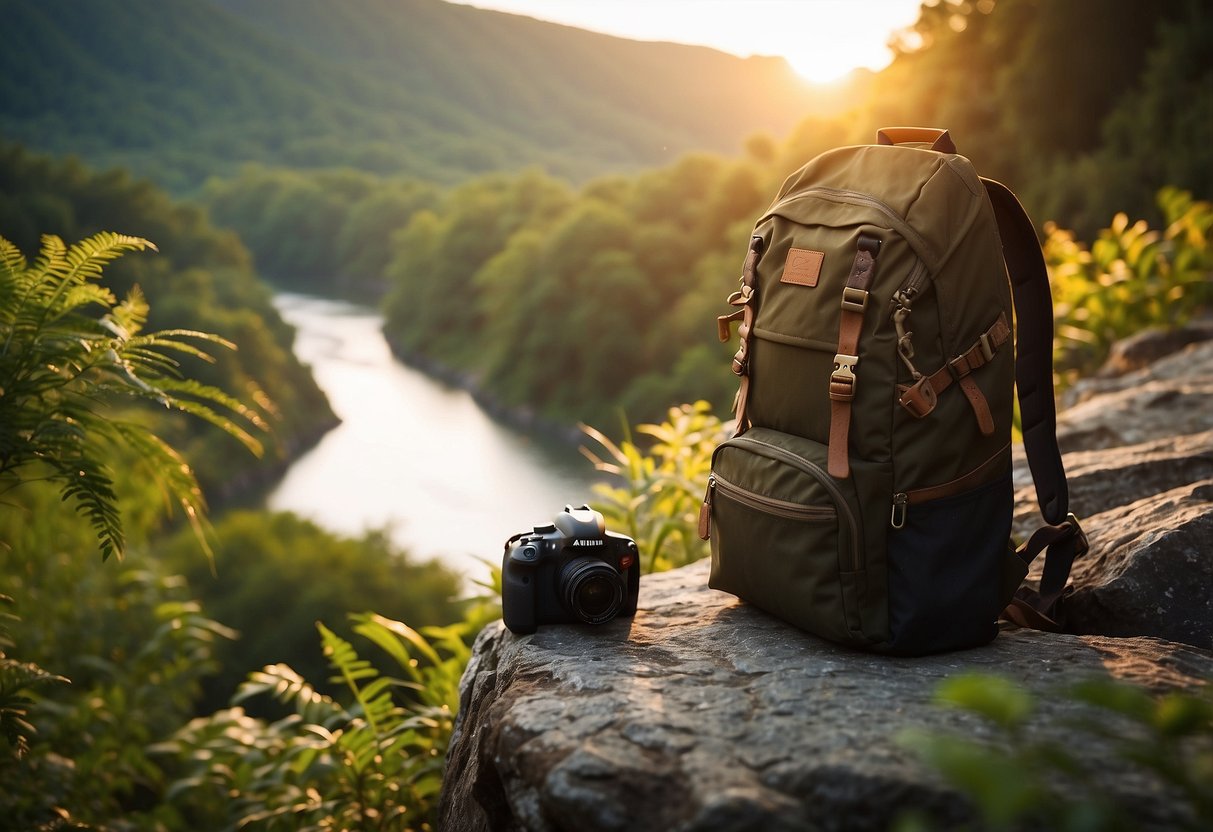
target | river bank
x=521, y=418
x=416, y=454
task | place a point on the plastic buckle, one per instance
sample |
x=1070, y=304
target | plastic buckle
x=842, y=381
x=1081, y=545
x=724, y=324
x=854, y=300
x=743, y=296
x=987, y=347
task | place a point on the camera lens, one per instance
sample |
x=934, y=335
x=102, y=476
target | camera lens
x=592, y=590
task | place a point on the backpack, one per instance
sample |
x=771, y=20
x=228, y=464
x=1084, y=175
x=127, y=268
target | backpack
x=866, y=496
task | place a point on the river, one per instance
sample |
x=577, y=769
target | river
x=414, y=455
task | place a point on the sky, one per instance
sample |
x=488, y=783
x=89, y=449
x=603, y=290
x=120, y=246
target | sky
x=822, y=39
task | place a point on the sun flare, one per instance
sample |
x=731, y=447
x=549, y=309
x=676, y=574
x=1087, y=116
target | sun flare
x=819, y=69
x=822, y=40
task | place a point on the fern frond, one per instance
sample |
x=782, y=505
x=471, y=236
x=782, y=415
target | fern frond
x=88, y=481
x=15, y=679
x=288, y=687
x=169, y=340
x=172, y=475
x=209, y=337
x=12, y=260
x=50, y=255
x=89, y=294
x=393, y=636
x=208, y=395
x=131, y=314
x=86, y=259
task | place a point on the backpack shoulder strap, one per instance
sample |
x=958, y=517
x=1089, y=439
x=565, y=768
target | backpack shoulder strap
x=1062, y=537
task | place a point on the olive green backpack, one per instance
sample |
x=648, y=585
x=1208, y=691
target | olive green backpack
x=867, y=496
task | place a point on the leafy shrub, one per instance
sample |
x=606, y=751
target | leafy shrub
x=371, y=762
x=659, y=491
x=1129, y=279
x=1028, y=777
x=135, y=647
x=276, y=574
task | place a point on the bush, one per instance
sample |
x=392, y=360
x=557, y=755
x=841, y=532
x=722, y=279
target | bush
x=1027, y=777
x=1129, y=279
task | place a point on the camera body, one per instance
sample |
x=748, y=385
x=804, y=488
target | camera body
x=572, y=570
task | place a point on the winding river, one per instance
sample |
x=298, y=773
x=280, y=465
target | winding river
x=412, y=455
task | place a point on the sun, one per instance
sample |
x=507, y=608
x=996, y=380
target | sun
x=819, y=68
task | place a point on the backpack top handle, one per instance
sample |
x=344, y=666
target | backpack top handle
x=938, y=138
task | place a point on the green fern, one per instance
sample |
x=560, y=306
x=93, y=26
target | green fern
x=17, y=680
x=70, y=351
x=374, y=763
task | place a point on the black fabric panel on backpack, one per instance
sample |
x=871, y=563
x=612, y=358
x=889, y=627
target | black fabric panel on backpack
x=945, y=570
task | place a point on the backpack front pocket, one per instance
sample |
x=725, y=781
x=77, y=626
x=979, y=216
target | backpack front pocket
x=785, y=535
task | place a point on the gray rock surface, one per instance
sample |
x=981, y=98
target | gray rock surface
x=1149, y=570
x=704, y=715
x=1138, y=452
x=1171, y=397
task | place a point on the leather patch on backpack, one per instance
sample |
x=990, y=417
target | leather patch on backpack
x=803, y=267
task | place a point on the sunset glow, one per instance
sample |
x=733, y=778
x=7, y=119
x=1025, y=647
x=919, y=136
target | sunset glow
x=822, y=40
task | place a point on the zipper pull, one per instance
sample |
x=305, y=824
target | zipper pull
x=705, y=511
x=900, y=501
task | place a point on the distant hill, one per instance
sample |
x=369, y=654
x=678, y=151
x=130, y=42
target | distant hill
x=178, y=90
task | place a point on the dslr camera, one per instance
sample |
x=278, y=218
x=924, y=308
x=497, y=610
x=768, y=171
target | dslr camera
x=572, y=570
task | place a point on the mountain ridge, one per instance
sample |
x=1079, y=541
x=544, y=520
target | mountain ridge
x=181, y=89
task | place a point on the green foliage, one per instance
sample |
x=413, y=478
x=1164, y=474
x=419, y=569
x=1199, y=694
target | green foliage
x=660, y=489
x=412, y=87
x=135, y=646
x=60, y=366
x=370, y=760
x=575, y=305
x=200, y=280
x=1131, y=278
x=327, y=232
x=1027, y=775
x=276, y=574
x=17, y=680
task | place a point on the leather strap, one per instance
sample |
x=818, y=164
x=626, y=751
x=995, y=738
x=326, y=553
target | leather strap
x=746, y=298
x=921, y=397
x=846, y=362
x=982, y=473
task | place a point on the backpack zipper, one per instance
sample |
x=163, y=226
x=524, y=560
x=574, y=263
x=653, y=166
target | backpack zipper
x=912, y=285
x=898, y=222
x=844, y=508
x=769, y=505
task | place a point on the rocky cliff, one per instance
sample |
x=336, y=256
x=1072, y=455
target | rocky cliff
x=705, y=714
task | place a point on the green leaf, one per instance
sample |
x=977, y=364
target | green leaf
x=993, y=697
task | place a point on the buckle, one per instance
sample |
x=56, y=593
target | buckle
x=724, y=324
x=742, y=296
x=987, y=347
x=842, y=380
x=920, y=399
x=854, y=300
x=741, y=360
x=1081, y=546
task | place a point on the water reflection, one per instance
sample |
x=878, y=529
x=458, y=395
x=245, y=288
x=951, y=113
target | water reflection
x=412, y=454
